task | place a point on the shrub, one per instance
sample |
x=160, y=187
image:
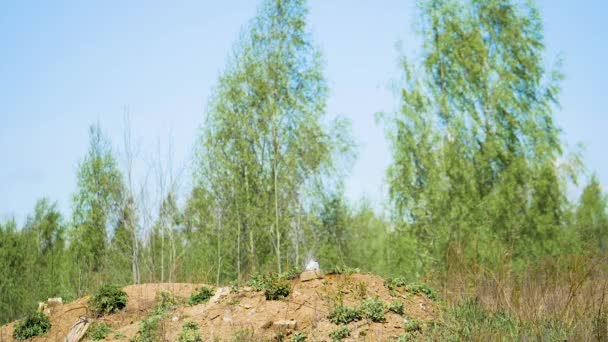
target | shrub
x=412, y=326
x=274, y=288
x=340, y=333
x=373, y=309
x=33, y=325
x=392, y=283
x=108, y=299
x=298, y=337
x=422, y=288
x=243, y=335
x=190, y=333
x=166, y=300
x=150, y=327
x=344, y=315
x=397, y=307
x=98, y=331
x=201, y=296
x=343, y=270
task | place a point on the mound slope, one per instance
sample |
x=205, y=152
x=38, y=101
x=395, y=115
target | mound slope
x=246, y=314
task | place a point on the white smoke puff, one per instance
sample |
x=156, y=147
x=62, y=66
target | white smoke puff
x=312, y=265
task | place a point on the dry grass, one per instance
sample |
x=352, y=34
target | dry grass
x=554, y=299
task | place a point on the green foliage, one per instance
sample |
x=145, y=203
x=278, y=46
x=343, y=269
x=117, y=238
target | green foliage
x=344, y=315
x=243, y=335
x=397, y=307
x=190, y=333
x=274, y=288
x=201, y=296
x=422, y=288
x=373, y=309
x=340, y=333
x=108, y=299
x=166, y=301
x=98, y=331
x=298, y=337
x=35, y=324
x=412, y=325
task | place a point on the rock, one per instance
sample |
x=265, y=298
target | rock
x=78, y=330
x=285, y=324
x=311, y=275
x=175, y=319
x=247, y=306
x=54, y=301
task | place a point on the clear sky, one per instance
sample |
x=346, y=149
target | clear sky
x=67, y=64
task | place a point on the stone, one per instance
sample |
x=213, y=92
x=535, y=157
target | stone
x=285, y=324
x=311, y=275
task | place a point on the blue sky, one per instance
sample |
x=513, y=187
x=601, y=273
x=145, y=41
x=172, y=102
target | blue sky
x=65, y=65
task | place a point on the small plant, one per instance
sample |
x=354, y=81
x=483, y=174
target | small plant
x=274, y=288
x=190, y=333
x=392, y=283
x=340, y=333
x=397, y=307
x=298, y=337
x=422, y=288
x=150, y=327
x=290, y=274
x=412, y=326
x=361, y=289
x=108, y=299
x=166, y=300
x=98, y=331
x=201, y=296
x=33, y=325
x=373, y=309
x=277, y=291
x=344, y=315
x=243, y=335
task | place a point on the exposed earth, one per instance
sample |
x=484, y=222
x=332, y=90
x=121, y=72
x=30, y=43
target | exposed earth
x=245, y=314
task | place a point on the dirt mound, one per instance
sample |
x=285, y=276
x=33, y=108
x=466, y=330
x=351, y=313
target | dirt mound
x=235, y=315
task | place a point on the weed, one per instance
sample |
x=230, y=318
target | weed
x=201, y=296
x=361, y=289
x=119, y=336
x=397, y=307
x=343, y=270
x=340, y=333
x=243, y=335
x=274, y=288
x=98, y=331
x=166, y=300
x=373, y=309
x=190, y=333
x=422, y=288
x=344, y=315
x=412, y=326
x=33, y=325
x=298, y=337
x=108, y=299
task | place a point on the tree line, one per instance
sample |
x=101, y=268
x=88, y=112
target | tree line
x=478, y=173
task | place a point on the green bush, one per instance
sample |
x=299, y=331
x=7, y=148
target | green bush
x=274, y=288
x=397, y=307
x=422, y=288
x=298, y=337
x=373, y=309
x=166, y=300
x=340, y=333
x=190, y=333
x=33, y=325
x=98, y=331
x=344, y=315
x=108, y=299
x=412, y=326
x=201, y=296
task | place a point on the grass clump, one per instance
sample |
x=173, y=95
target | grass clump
x=201, y=296
x=108, y=299
x=98, y=331
x=243, y=335
x=344, y=315
x=166, y=300
x=190, y=333
x=373, y=309
x=397, y=307
x=412, y=326
x=340, y=333
x=35, y=324
x=273, y=286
